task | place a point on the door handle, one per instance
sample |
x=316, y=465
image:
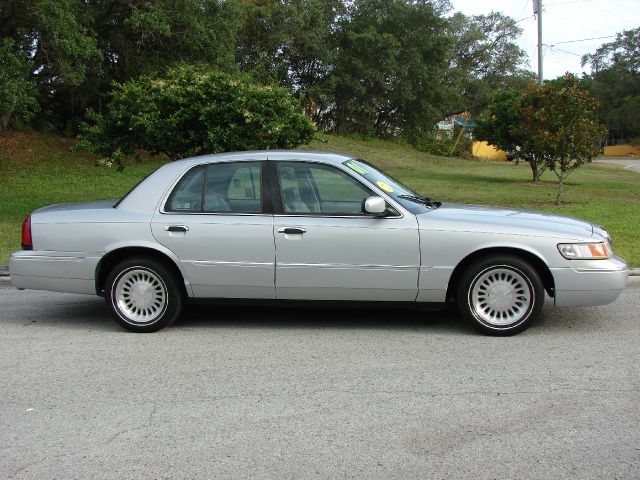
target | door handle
x=176, y=228
x=291, y=230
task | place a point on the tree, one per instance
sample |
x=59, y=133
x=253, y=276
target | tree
x=558, y=123
x=483, y=59
x=386, y=68
x=46, y=37
x=17, y=91
x=501, y=126
x=615, y=82
x=553, y=126
x=77, y=48
x=192, y=111
x=389, y=68
x=291, y=43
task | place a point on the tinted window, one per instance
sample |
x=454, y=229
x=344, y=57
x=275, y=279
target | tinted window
x=219, y=188
x=233, y=187
x=321, y=189
x=187, y=196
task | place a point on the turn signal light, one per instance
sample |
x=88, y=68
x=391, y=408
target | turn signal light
x=584, y=251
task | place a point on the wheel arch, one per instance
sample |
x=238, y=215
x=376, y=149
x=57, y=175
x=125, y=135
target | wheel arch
x=536, y=262
x=113, y=257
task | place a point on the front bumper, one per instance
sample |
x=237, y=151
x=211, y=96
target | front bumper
x=587, y=283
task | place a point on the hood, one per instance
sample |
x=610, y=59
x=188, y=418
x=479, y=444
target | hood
x=475, y=218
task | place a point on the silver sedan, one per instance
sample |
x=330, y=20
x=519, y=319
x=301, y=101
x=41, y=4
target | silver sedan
x=310, y=226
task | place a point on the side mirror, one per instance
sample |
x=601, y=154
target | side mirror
x=375, y=205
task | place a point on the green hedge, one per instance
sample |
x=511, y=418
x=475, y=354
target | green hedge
x=194, y=111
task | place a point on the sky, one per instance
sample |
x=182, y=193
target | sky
x=563, y=22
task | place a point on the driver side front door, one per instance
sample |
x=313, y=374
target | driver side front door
x=328, y=249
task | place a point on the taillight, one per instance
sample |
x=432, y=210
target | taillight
x=27, y=242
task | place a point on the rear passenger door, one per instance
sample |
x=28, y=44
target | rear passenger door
x=217, y=221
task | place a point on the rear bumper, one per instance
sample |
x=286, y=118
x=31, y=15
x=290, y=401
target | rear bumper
x=590, y=283
x=71, y=272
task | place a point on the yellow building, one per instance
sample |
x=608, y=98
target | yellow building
x=622, y=151
x=487, y=152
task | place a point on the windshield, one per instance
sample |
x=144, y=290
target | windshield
x=402, y=194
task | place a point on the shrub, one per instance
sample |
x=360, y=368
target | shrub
x=194, y=111
x=445, y=147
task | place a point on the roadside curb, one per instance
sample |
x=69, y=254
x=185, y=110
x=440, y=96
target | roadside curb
x=5, y=279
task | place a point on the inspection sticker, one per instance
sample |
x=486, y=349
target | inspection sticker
x=384, y=186
x=357, y=168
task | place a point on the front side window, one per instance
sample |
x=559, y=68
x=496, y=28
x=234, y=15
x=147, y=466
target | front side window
x=233, y=187
x=308, y=188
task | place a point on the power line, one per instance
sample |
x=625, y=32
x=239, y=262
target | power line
x=625, y=7
x=589, y=3
x=584, y=39
x=526, y=18
x=553, y=4
x=572, y=22
x=610, y=13
x=553, y=48
x=524, y=7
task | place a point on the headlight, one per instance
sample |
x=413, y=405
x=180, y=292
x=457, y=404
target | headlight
x=584, y=251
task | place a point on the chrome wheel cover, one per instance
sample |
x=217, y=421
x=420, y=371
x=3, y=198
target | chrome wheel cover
x=501, y=296
x=140, y=296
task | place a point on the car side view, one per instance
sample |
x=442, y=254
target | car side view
x=310, y=226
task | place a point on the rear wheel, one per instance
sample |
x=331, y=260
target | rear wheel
x=500, y=295
x=143, y=295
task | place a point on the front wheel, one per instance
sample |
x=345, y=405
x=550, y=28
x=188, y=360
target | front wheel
x=143, y=295
x=500, y=295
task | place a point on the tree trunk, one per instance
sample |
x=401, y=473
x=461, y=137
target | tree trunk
x=4, y=119
x=560, y=186
x=533, y=163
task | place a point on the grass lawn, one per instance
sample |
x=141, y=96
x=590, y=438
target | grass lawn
x=38, y=170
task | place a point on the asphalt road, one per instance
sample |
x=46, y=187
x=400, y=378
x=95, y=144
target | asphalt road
x=289, y=393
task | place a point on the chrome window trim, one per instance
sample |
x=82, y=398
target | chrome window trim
x=402, y=212
x=315, y=215
x=224, y=214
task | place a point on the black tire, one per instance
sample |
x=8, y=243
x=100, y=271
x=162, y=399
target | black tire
x=500, y=295
x=143, y=294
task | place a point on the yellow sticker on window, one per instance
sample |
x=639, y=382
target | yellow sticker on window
x=384, y=186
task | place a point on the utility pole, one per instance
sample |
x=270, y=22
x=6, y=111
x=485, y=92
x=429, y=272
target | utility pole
x=537, y=10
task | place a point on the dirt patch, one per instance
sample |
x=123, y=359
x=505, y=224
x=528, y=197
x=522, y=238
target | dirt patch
x=25, y=147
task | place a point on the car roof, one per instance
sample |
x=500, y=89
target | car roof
x=275, y=155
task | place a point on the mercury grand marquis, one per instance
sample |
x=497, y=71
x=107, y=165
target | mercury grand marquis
x=310, y=226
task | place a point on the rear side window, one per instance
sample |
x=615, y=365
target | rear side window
x=187, y=195
x=219, y=188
